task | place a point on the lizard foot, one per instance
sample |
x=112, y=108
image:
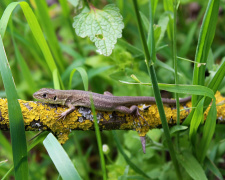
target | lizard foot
x=137, y=114
x=133, y=110
x=65, y=113
x=61, y=116
x=143, y=143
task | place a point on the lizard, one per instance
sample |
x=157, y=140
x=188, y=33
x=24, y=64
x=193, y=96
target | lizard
x=102, y=102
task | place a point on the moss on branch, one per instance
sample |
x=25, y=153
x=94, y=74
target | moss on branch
x=44, y=117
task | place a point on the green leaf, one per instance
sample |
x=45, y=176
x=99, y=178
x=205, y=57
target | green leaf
x=191, y=165
x=47, y=25
x=17, y=130
x=216, y=80
x=212, y=167
x=74, y=2
x=168, y=6
x=99, y=140
x=163, y=23
x=206, y=36
x=60, y=158
x=127, y=159
x=84, y=77
x=196, y=120
x=37, y=32
x=5, y=17
x=103, y=27
x=208, y=131
x=23, y=65
x=177, y=128
x=6, y=146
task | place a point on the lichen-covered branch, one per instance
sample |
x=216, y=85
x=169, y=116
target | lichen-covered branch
x=40, y=117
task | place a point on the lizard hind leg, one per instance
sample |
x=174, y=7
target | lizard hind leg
x=133, y=110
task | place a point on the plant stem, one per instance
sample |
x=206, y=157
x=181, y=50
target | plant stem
x=174, y=53
x=155, y=83
x=99, y=140
x=175, y=59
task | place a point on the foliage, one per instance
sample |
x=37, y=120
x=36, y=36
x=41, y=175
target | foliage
x=102, y=45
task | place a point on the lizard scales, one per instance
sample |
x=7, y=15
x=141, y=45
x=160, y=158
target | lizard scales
x=104, y=102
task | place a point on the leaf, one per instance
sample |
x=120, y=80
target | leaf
x=191, y=165
x=205, y=39
x=16, y=123
x=37, y=32
x=208, y=132
x=103, y=27
x=99, y=140
x=60, y=158
x=212, y=167
x=216, y=80
x=196, y=120
x=177, y=128
x=84, y=77
x=127, y=159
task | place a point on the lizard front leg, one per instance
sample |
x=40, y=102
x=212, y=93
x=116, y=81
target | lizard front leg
x=68, y=111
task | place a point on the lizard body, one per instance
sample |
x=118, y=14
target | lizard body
x=102, y=102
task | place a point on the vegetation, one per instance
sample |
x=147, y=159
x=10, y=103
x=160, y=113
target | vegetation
x=128, y=48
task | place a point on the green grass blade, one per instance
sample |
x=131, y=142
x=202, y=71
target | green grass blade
x=56, y=79
x=188, y=89
x=60, y=158
x=134, y=50
x=17, y=130
x=212, y=167
x=208, y=131
x=24, y=67
x=216, y=80
x=183, y=89
x=36, y=30
x=185, y=47
x=191, y=166
x=6, y=146
x=35, y=142
x=84, y=77
x=68, y=20
x=39, y=139
x=46, y=22
x=99, y=140
x=174, y=56
x=196, y=121
x=5, y=17
x=168, y=6
x=206, y=36
x=8, y=172
x=129, y=162
x=151, y=46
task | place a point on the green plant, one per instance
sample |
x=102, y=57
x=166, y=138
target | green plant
x=46, y=48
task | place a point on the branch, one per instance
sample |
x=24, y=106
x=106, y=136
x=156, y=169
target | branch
x=43, y=117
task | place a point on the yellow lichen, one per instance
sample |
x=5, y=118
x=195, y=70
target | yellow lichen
x=38, y=113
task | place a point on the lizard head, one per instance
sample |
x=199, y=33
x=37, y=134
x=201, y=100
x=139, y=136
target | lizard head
x=51, y=96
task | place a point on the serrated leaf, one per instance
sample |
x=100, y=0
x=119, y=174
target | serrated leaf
x=103, y=27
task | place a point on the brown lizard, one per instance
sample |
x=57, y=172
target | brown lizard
x=102, y=102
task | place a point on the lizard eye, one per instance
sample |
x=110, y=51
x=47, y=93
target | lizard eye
x=44, y=95
x=55, y=98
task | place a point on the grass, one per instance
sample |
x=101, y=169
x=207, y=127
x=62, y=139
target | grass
x=43, y=50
